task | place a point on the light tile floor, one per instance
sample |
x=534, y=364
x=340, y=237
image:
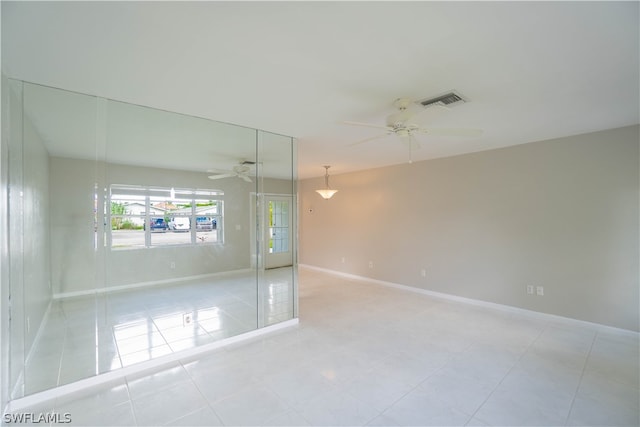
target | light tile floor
x=87, y=336
x=364, y=354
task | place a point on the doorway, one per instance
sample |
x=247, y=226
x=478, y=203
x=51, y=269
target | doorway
x=278, y=251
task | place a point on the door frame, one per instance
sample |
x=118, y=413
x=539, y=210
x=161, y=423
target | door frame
x=258, y=203
x=278, y=259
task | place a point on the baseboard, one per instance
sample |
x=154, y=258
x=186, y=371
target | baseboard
x=470, y=301
x=140, y=368
x=118, y=288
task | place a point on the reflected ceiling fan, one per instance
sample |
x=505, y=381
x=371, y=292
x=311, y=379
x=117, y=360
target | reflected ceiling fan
x=242, y=170
x=401, y=125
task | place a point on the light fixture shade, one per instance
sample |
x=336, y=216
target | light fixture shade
x=326, y=193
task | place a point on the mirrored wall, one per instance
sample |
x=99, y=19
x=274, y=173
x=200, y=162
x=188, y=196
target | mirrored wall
x=137, y=233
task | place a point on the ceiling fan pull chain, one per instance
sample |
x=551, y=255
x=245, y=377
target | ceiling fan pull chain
x=410, y=149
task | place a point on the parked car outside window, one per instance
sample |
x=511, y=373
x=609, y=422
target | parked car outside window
x=158, y=225
x=205, y=223
x=180, y=224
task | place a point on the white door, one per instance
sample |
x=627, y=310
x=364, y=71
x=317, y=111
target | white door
x=278, y=251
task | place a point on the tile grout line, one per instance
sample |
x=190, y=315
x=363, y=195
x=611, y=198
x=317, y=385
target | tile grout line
x=509, y=371
x=195, y=384
x=415, y=387
x=190, y=380
x=201, y=395
x=62, y=353
x=584, y=368
x=130, y=401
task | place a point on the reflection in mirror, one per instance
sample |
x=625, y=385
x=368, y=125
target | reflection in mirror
x=47, y=216
x=12, y=103
x=167, y=232
x=276, y=207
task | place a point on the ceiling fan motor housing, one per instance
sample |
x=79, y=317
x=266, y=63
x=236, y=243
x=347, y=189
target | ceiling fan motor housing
x=399, y=118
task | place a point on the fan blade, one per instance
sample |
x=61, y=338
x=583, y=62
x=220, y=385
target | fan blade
x=368, y=139
x=219, y=171
x=223, y=175
x=450, y=132
x=241, y=169
x=367, y=125
x=245, y=177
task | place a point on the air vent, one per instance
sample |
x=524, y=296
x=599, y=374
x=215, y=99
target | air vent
x=446, y=100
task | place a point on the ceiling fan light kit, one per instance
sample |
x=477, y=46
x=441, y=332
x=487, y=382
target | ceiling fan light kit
x=326, y=192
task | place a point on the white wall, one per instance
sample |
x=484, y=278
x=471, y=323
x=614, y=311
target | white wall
x=77, y=266
x=35, y=234
x=71, y=217
x=562, y=214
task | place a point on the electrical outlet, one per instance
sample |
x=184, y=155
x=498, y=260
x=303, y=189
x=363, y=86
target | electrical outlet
x=423, y=273
x=540, y=290
x=343, y=260
x=530, y=289
x=187, y=319
x=172, y=265
x=370, y=264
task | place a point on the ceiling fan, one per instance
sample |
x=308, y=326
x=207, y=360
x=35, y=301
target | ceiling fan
x=399, y=124
x=242, y=170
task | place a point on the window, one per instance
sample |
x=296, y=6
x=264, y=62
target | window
x=142, y=217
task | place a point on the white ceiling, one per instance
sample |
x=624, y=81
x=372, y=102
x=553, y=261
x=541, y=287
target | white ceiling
x=81, y=126
x=531, y=70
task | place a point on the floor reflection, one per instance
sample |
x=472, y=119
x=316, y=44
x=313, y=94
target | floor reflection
x=87, y=336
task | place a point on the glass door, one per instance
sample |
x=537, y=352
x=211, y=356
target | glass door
x=278, y=219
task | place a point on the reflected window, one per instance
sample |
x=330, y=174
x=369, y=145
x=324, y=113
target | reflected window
x=141, y=217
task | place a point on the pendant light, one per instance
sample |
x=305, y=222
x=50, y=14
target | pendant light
x=326, y=192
